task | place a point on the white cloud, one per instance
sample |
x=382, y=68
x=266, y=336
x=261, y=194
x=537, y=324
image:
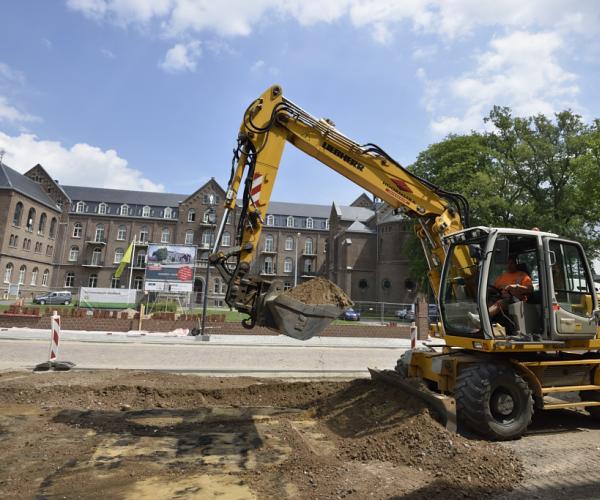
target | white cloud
x=182, y=57
x=109, y=54
x=11, y=75
x=12, y=115
x=81, y=164
x=520, y=70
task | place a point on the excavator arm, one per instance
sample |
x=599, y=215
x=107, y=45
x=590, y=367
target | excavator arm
x=269, y=123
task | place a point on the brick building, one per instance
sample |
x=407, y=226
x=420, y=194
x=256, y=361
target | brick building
x=65, y=237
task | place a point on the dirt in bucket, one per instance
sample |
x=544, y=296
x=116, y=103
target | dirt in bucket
x=320, y=291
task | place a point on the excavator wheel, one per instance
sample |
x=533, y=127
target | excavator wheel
x=594, y=411
x=493, y=400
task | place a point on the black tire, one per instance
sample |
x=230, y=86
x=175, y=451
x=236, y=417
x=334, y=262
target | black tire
x=594, y=411
x=494, y=401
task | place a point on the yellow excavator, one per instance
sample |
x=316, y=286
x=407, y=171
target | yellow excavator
x=488, y=372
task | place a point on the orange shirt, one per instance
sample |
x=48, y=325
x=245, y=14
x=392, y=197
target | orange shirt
x=516, y=278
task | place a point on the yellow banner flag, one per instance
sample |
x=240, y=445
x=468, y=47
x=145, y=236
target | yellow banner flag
x=125, y=260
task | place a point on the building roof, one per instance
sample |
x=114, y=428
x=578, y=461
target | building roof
x=354, y=213
x=359, y=227
x=299, y=209
x=11, y=179
x=83, y=193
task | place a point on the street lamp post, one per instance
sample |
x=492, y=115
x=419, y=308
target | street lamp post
x=296, y=260
x=211, y=221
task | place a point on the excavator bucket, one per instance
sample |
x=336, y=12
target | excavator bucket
x=298, y=320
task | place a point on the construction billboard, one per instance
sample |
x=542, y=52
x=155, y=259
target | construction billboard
x=170, y=268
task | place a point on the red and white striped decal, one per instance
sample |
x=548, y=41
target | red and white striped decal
x=55, y=336
x=413, y=335
x=257, y=182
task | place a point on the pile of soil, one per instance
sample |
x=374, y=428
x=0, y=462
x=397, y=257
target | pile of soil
x=320, y=291
x=346, y=439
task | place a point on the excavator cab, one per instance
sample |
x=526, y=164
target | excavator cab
x=560, y=300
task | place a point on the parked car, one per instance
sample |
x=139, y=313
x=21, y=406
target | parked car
x=434, y=314
x=54, y=298
x=405, y=314
x=350, y=315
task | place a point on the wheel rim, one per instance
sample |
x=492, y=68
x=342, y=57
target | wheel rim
x=504, y=405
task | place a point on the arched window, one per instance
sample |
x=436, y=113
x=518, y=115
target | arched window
x=45, y=277
x=269, y=243
x=288, y=265
x=270, y=220
x=165, y=235
x=93, y=281
x=308, y=246
x=309, y=223
x=289, y=243
x=18, y=214
x=308, y=265
x=326, y=223
x=77, y=230
x=226, y=239
x=34, y=276
x=42, y=224
x=144, y=234
x=22, y=272
x=146, y=211
x=102, y=208
x=191, y=215
x=208, y=216
x=189, y=237
x=69, y=280
x=74, y=254
x=217, y=285
x=124, y=209
x=118, y=255
x=53, y=223
x=140, y=259
x=208, y=238
x=8, y=272
x=290, y=221
x=80, y=207
x=96, y=257
x=122, y=232
x=99, y=237
x=30, y=219
x=268, y=265
x=168, y=213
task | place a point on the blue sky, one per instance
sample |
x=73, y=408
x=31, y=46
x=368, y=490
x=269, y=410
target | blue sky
x=149, y=94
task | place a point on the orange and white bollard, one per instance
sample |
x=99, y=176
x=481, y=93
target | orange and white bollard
x=53, y=363
x=413, y=335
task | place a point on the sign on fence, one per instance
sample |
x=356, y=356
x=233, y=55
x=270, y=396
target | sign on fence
x=170, y=268
x=108, y=298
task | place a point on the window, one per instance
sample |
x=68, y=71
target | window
x=289, y=243
x=287, y=285
x=45, y=277
x=290, y=221
x=34, y=276
x=102, y=208
x=124, y=210
x=191, y=215
x=11, y=241
x=53, y=223
x=168, y=213
x=140, y=259
x=80, y=207
x=226, y=239
x=146, y=211
x=99, y=236
x=93, y=281
x=77, y=230
x=308, y=246
x=208, y=238
x=268, y=265
x=270, y=220
x=219, y=286
x=210, y=199
x=229, y=218
x=308, y=266
x=115, y=282
x=96, y=257
x=118, y=256
x=287, y=265
x=8, y=272
x=309, y=223
x=42, y=224
x=209, y=216
x=122, y=233
x=326, y=223
x=138, y=282
x=73, y=254
x=38, y=247
x=25, y=244
x=22, y=272
x=189, y=237
x=164, y=235
x=144, y=234
x=30, y=219
x=269, y=243
x=18, y=214
x=49, y=250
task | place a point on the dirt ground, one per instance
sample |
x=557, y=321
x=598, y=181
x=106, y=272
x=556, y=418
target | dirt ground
x=123, y=434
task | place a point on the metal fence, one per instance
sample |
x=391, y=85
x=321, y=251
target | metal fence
x=385, y=312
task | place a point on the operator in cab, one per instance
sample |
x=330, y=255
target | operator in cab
x=511, y=284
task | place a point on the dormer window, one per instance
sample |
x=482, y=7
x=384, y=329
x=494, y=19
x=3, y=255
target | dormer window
x=270, y=220
x=146, y=211
x=80, y=207
x=290, y=221
x=124, y=209
x=168, y=214
x=102, y=208
x=309, y=223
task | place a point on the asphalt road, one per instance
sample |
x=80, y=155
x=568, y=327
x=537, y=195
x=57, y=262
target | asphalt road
x=222, y=355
